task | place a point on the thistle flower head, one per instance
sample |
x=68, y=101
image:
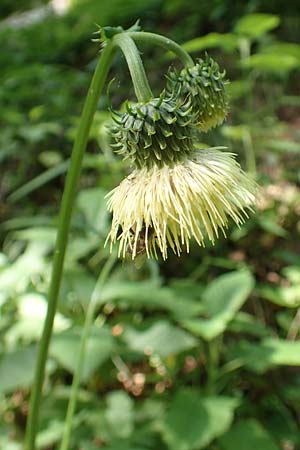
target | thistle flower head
x=158, y=132
x=166, y=206
x=205, y=83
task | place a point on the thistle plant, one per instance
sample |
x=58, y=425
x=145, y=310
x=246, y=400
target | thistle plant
x=175, y=192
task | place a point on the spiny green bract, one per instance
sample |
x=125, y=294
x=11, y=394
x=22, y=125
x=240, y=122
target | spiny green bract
x=158, y=132
x=205, y=84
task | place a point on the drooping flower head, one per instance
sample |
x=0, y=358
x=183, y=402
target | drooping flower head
x=166, y=206
x=205, y=84
x=155, y=133
x=176, y=192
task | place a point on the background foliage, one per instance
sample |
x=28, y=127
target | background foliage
x=197, y=352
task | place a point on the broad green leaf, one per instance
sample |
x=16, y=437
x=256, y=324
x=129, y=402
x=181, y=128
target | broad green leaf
x=267, y=354
x=221, y=301
x=120, y=414
x=161, y=338
x=255, y=25
x=92, y=204
x=193, y=421
x=17, y=369
x=283, y=48
x=65, y=348
x=247, y=435
x=150, y=295
x=271, y=63
x=77, y=284
x=225, y=41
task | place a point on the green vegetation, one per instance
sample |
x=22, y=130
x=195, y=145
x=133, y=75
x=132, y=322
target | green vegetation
x=196, y=352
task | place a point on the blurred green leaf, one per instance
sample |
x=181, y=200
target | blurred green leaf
x=32, y=309
x=193, y=421
x=17, y=276
x=283, y=48
x=161, y=338
x=16, y=369
x=271, y=62
x=269, y=224
x=151, y=295
x=221, y=300
x=287, y=296
x=255, y=25
x=283, y=145
x=247, y=435
x=238, y=88
x=51, y=434
x=65, y=348
x=92, y=204
x=226, y=41
x=245, y=323
x=119, y=414
x=267, y=354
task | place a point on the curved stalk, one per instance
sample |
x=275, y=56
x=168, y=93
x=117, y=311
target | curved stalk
x=162, y=41
x=83, y=344
x=62, y=236
x=135, y=65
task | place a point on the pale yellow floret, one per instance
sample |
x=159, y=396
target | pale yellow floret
x=167, y=206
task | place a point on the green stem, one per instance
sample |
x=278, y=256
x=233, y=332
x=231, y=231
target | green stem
x=162, y=41
x=140, y=82
x=62, y=235
x=82, y=350
x=212, y=365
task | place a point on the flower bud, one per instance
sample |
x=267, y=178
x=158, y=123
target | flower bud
x=205, y=84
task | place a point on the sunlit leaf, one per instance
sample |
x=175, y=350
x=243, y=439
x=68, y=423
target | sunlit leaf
x=226, y=41
x=287, y=296
x=32, y=309
x=271, y=62
x=283, y=48
x=254, y=25
x=267, y=354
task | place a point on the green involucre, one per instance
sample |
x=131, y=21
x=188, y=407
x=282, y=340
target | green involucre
x=205, y=84
x=157, y=132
